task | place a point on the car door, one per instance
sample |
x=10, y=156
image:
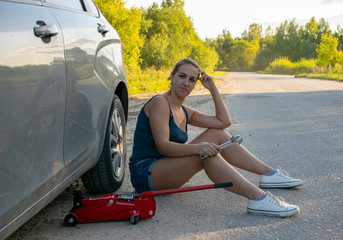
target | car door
x=90, y=78
x=32, y=104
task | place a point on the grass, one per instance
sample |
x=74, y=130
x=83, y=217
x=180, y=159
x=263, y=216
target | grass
x=305, y=68
x=328, y=76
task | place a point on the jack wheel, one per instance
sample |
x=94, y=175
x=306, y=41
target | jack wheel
x=70, y=220
x=134, y=219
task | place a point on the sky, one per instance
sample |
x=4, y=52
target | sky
x=211, y=17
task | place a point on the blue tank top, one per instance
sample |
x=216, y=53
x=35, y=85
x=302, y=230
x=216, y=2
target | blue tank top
x=143, y=143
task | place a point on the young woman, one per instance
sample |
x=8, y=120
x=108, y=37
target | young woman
x=161, y=159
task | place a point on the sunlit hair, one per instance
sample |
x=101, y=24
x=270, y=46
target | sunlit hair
x=183, y=62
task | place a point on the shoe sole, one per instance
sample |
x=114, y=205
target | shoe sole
x=284, y=214
x=280, y=185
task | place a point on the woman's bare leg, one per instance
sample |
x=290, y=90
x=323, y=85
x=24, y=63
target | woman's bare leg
x=174, y=172
x=236, y=154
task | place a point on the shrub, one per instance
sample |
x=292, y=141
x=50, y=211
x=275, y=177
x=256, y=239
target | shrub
x=337, y=69
x=305, y=65
x=281, y=65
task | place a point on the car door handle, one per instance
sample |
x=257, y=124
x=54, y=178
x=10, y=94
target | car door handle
x=103, y=29
x=45, y=31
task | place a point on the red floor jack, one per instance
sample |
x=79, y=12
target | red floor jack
x=111, y=207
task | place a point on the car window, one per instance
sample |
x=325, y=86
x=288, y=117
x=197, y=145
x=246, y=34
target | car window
x=74, y=4
x=91, y=7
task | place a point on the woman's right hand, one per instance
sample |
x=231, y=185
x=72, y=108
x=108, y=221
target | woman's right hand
x=208, y=149
x=206, y=80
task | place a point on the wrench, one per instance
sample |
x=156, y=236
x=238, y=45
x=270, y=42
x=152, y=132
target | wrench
x=234, y=139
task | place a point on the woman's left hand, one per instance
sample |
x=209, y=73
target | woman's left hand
x=206, y=80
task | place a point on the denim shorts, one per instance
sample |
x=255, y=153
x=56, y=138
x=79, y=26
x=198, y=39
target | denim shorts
x=141, y=174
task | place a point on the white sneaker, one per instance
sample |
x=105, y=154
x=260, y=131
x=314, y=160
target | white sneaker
x=272, y=206
x=279, y=180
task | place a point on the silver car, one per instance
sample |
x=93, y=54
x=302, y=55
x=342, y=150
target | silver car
x=63, y=102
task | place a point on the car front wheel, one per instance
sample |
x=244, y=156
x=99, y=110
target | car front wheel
x=108, y=174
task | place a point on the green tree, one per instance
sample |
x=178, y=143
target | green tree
x=287, y=40
x=339, y=35
x=294, y=41
x=170, y=35
x=281, y=45
x=243, y=55
x=204, y=55
x=323, y=28
x=155, y=51
x=265, y=54
x=254, y=34
x=309, y=35
x=223, y=45
x=327, y=51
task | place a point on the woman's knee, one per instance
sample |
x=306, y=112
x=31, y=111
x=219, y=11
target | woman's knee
x=219, y=133
x=217, y=136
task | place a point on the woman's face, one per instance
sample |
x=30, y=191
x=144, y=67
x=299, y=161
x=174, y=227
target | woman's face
x=184, y=80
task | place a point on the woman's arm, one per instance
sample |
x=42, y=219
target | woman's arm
x=221, y=119
x=158, y=112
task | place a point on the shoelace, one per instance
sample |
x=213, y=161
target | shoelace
x=276, y=200
x=279, y=173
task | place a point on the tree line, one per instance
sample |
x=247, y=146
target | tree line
x=156, y=38
x=255, y=50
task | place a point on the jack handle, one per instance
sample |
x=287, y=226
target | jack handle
x=187, y=189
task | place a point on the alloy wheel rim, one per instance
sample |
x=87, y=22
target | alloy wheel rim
x=117, y=144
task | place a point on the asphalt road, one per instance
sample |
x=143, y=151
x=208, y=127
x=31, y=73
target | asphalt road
x=292, y=123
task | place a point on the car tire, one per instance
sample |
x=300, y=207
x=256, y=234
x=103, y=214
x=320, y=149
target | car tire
x=108, y=175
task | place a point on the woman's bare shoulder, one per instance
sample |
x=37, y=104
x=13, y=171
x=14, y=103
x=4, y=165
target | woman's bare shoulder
x=158, y=104
x=158, y=100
